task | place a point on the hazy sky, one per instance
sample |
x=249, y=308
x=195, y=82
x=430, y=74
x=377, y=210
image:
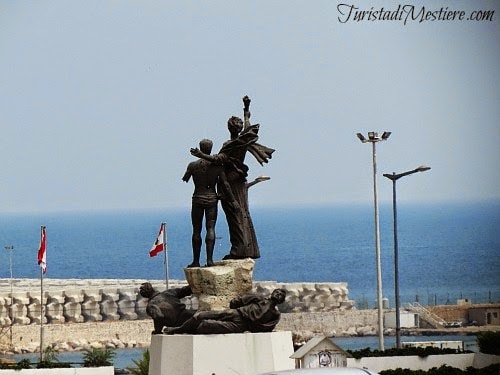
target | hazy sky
x=100, y=101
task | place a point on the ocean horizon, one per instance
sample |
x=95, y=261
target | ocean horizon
x=447, y=251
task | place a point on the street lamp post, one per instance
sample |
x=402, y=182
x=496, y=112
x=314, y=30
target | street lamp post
x=373, y=138
x=10, y=248
x=394, y=177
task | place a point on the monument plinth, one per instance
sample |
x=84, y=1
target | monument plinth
x=231, y=333
x=236, y=353
x=216, y=286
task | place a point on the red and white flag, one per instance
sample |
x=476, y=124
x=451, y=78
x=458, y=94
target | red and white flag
x=158, y=246
x=42, y=251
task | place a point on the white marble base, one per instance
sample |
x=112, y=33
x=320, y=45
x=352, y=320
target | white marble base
x=237, y=353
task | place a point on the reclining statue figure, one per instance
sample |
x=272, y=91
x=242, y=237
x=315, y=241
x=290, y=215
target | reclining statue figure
x=251, y=312
x=166, y=307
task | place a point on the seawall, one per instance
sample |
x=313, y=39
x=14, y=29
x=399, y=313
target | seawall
x=95, y=300
x=81, y=312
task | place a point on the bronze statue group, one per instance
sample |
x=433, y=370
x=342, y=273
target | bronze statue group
x=221, y=176
x=251, y=312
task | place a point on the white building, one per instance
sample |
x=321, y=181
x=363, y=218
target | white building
x=320, y=351
x=407, y=319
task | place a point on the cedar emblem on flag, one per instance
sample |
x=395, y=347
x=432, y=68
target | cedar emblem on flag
x=159, y=245
x=42, y=254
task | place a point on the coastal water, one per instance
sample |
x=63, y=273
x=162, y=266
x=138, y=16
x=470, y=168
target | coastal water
x=124, y=357
x=446, y=251
x=358, y=343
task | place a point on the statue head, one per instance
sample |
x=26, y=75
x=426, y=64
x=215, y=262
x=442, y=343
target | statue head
x=235, y=125
x=206, y=146
x=278, y=295
x=146, y=290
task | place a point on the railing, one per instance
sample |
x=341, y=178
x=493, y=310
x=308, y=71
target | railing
x=431, y=318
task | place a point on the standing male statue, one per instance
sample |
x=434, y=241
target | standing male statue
x=243, y=138
x=207, y=178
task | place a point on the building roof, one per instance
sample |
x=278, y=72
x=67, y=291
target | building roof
x=313, y=343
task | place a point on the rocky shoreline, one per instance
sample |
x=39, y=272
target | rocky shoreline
x=86, y=313
x=120, y=334
x=69, y=337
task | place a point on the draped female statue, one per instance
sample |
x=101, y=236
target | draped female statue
x=243, y=139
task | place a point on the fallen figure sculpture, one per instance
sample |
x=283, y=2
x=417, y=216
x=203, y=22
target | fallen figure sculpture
x=251, y=312
x=166, y=307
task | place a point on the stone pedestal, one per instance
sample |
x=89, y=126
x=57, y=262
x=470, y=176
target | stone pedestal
x=216, y=286
x=237, y=353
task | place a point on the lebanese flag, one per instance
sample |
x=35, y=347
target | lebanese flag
x=42, y=253
x=158, y=246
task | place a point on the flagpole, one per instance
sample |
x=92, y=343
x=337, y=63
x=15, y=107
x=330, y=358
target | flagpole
x=42, y=228
x=41, y=314
x=165, y=250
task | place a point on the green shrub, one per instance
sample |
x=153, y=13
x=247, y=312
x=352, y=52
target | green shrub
x=45, y=364
x=489, y=342
x=489, y=370
x=50, y=360
x=96, y=357
x=6, y=366
x=142, y=365
x=393, y=352
x=445, y=370
x=403, y=371
x=23, y=364
x=50, y=355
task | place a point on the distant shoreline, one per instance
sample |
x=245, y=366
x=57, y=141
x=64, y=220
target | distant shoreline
x=69, y=337
x=260, y=207
x=325, y=244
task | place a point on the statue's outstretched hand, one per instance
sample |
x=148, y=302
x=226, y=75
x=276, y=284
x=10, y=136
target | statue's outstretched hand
x=195, y=152
x=246, y=102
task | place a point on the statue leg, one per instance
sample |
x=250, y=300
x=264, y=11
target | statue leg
x=211, y=218
x=189, y=326
x=197, y=221
x=208, y=327
x=227, y=321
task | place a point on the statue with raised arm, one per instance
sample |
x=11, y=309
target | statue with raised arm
x=243, y=139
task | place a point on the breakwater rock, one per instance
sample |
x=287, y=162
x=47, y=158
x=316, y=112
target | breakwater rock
x=137, y=333
x=95, y=300
x=110, y=312
x=78, y=336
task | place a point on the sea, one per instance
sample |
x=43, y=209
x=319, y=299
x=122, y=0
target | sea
x=447, y=250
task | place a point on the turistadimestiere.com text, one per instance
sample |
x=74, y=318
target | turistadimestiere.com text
x=410, y=13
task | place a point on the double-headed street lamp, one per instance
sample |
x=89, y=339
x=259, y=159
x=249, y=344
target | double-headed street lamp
x=394, y=177
x=374, y=138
